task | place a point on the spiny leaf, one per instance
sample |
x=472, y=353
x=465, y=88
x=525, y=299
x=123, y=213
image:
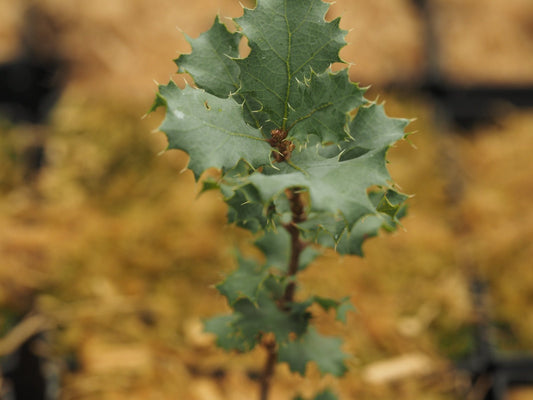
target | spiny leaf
x=390, y=207
x=244, y=281
x=211, y=62
x=265, y=316
x=288, y=39
x=372, y=129
x=243, y=208
x=322, y=107
x=211, y=130
x=312, y=346
x=351, y=242
x=338, y=188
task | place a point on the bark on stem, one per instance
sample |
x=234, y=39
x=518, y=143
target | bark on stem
x=297, y=246
x=270, y=364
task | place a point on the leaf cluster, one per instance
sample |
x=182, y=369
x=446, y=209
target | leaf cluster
x=285, y=84
x=255, y=291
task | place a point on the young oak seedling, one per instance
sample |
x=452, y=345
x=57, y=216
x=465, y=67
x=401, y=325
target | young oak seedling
x=302, y=160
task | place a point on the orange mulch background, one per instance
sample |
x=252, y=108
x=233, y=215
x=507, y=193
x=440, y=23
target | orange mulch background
x=110, y=248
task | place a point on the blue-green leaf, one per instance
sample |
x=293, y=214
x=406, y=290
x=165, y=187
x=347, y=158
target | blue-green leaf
x=288, y=39
x=312, y=346
x=211, y=62
x=211, y=130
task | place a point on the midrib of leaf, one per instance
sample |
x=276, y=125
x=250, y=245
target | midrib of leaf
x=290, y=74
x=287, y=62
x=288, y=66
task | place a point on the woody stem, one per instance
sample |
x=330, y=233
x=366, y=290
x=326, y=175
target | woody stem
x=297, y=246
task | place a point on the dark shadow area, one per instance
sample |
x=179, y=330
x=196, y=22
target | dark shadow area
x=32, y=83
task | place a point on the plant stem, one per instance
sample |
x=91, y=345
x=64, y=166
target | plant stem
x=297, y=246
x=270, y=364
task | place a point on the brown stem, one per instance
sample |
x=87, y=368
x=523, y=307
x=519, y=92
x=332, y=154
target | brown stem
x=297, y=246
x=272, y=357
x=296, y=249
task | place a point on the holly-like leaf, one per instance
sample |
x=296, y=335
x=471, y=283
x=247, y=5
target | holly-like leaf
x=244, y=282
x=336, y=187
x=372, y=129
x=211, y=62
x=243, y=208
x=390, y=207
x=351, y=242
x=288, y=39
x=265, y=316
x=322, y=107
x=312, y=346
x=211, y=130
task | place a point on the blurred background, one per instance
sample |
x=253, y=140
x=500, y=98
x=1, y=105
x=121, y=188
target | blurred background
x=108, y=257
